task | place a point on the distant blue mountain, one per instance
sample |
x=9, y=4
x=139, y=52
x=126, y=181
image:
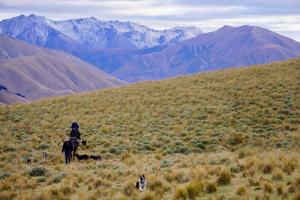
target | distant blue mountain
x=133, y=52
x=90, y=32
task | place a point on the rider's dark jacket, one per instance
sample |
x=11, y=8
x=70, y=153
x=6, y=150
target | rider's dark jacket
x=75, y=133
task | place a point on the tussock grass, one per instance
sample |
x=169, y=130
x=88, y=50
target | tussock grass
x=203, y=136
x=224, y=178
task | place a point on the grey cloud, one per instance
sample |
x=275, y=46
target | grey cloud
x=282, y=4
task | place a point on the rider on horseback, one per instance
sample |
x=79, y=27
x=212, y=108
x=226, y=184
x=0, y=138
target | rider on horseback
x=75, y=132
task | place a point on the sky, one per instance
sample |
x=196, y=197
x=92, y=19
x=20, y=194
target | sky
x=281, y=16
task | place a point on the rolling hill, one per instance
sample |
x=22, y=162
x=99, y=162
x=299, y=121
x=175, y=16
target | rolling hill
x=229, y=134
x=7, y=97
x=36, y=72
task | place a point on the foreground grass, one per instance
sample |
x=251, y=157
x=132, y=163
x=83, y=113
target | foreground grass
x=231, y=134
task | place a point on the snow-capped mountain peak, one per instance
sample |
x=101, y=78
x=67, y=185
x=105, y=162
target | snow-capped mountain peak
x=93, y=32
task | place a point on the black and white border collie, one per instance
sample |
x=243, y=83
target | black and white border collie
x=44, y=154
x=141, y=184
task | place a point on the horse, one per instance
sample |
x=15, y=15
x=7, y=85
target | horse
x=67, y=149
x=75, y=143
x=70, y=148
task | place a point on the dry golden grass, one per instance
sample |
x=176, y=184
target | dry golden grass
x=230, y=134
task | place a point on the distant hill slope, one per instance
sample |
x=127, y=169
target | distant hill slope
x=36, y=72
x=7, y=97
x=226, y=47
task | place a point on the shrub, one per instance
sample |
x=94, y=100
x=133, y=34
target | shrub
x=253, y=182
x=147, y=196
x=279, y=189
x=7, y=195
x=165, y=163
x=267, y=168
x=224, y=178
x=277, y=175
x=297, y=181
x=129, y=188
x=41, y=180
x=59, y=177
x=117, y=150
x=235, y=139
x=157, y=185
x=290, y=165
x=42, y=196
x=9, y=149
x=297, y=196
x=178, y=176
x=100, y=182
x=4, y=175
x=211, y=187
x=181, y=194
x=42, y=147
x=5, y=186
x=37, y=171
x=241, y=191
x=66, y=190
x=235, y=169
x=268, y=188
x=194, y=189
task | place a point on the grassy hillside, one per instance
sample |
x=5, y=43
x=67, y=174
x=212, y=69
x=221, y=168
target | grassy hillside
x=236, y=131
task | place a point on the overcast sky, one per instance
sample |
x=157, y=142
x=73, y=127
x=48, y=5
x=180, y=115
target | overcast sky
x=282, y=16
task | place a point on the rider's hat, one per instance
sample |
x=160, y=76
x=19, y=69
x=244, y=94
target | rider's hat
x=74, y=125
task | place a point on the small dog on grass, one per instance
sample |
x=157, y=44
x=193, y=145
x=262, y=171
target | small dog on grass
x=94, y=157
x=83, y=142
x=28, y=161
x=141, y=184
x=44, y=155
x=82, y=157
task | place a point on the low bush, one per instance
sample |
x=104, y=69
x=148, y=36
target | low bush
x=267, y=168
x=42, y=147
x=37, y=171
x=279, y=189
x=235, y=139
x=211, y=187
x=268, y=188
x=190, y=191
x=4, y=175
x=194, y=189
x=224, y=178
x=59, y=177
x=241, y=191
x=181, y=194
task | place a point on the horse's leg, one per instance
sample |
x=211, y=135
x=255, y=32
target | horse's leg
x=74, y=151
x=66, y=158
x=69, y=157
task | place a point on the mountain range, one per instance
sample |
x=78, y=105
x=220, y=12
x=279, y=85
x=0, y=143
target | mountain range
x=226, y=47
x=133, y=52
x=33, y=72
x=91, y=33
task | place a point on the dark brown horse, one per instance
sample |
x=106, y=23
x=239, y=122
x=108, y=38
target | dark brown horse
x=75, y=143
x=69, y=148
